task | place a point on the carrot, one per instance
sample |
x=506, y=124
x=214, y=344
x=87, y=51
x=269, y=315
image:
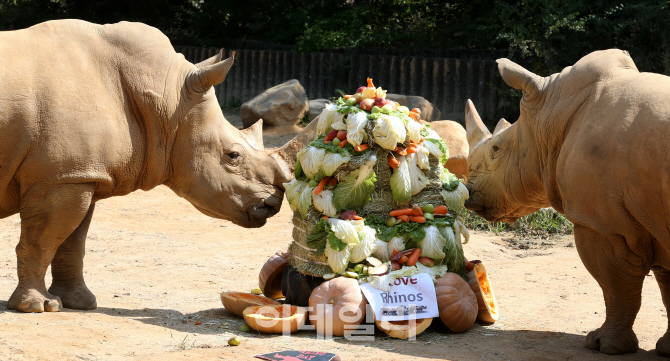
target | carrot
x=414, y=257
x=418, y=219
x=441, y=210
x=325, y=217
x=416, y=110
x=197, y=322
x=328, y=141
x=395, y=251
x=321, y=185
x=403, y=218
x=343, y=143
x=347, y=96
x=362, y=147
x=393, y=163
x=401, y=212
x=370, y=85
x=416, y=211
x=358, y=218
x=411, y=149
x=400, y=150
x=332, y=182
x=402, y=259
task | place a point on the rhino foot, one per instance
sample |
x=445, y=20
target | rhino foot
x=33, y=300
x=76, y=298
x=612, y=342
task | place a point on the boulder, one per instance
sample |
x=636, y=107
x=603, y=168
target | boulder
x=282, y=105
x=429, y=112
x=316, y=107
x=456, y=138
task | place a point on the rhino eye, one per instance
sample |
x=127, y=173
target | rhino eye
x=495, y=148
x=233, y=155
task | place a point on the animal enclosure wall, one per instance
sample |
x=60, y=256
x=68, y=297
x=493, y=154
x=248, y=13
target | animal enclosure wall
x=445, y=82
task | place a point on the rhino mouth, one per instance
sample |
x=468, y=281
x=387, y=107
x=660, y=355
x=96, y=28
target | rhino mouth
x=260, y=212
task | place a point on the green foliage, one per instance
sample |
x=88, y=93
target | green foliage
x=546, y=221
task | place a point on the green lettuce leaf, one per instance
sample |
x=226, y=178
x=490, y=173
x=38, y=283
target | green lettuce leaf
x=355, y=189
x=401, y=182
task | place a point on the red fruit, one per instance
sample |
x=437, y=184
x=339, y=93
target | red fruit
x=380, y=102
x=348, y=215
x=393, y=104
x=342, y=135
x=331, y=135
x=360, y=90
x=427, y=261
x=367, y=104
x=395, y=265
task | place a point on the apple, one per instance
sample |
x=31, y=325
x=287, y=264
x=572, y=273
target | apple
x=358, y=97
x=380, y=102
x=375, y=109
x=341, y=135
x=360, y=90
x=367, y=104
x=404, y=109
x=387, y=108
x=331, y=135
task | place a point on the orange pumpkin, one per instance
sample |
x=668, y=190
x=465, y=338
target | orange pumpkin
x=275, y=318
x=337, y=305
x=236, y=302
x=403, y=329
x=269, y=279
x=456, y=302
x=486, y=299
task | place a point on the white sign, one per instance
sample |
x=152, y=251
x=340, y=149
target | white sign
x=409, y=298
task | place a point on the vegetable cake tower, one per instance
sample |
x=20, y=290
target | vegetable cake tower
x=372, y=184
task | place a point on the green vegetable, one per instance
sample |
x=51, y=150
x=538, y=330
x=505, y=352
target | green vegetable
x=428, y=216
x=432, y=244
x=358, y=267
x=338, y=260
x=344, y=151
x=437, y=148
x=298, y=169
x=428, y=208
x=312, y=183
x=401, y=182
x=454, y=259
x=336, y=141
x=375, y=109
x=355, y=189
x=343, y=108
x=351, y=101
x=449, y=181
x=390, y=221
x=335, y=243
x=319, y=236
x=305, y=201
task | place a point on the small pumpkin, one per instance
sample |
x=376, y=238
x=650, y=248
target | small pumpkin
x=269, y=279
x=456, y=302
x=275, y=318
x=236, y=302
x=486, y=299
x=337, y=305
x=403, y=329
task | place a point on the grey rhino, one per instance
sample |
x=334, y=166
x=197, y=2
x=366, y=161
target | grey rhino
x=92, y=111
x=592, y=142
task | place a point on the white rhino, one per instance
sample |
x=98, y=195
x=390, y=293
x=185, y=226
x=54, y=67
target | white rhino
x=89, y=112
x=592, y=142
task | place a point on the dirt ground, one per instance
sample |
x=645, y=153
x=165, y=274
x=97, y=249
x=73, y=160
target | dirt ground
x=157, y=267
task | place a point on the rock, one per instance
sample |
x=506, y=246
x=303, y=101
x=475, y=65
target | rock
x=457, y=141
x=282, y=105
x=316, y=107
x=429, y=112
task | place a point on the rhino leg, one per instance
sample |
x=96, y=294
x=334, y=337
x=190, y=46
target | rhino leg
x=663, y=279
x=67, y=269
x=48, y=216
x=611, y=263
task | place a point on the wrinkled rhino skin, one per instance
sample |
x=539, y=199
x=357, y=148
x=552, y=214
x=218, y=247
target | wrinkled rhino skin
x=89, y=112
x=591, y=142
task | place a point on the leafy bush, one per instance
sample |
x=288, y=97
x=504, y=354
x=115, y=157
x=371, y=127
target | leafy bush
x=546, y=221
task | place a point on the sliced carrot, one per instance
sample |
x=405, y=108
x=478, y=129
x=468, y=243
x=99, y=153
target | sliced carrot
x=395, y=251
x=418, y=219
x=402, y=259
x=441, y=210
x=343, y=143
x=402, y=212
x=393, y=163
x=347, y=96
x=411, y=149
x=416, y=211
x=321, y=185
x=414, y=257
x=362, y=147
x=403, y=218
x=400, y=150
x=332, y=182
x=370, y=85
x=415, y=110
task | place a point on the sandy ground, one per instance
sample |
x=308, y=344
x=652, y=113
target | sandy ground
x=157, y=267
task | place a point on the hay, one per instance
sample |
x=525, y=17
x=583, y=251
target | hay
x=303, y=258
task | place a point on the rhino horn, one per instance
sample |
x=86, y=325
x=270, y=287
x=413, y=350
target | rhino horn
x=476, y=130
x=502, y=125
x=211, y=61
x=518, y=77
x=202, y=79
x=287, y=154
x=254, y=135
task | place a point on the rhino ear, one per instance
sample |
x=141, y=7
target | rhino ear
x=502, y=125
x=201, y=80
x=476, y=129
x=254, y=135
x=211, y=61
x=518, y=77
